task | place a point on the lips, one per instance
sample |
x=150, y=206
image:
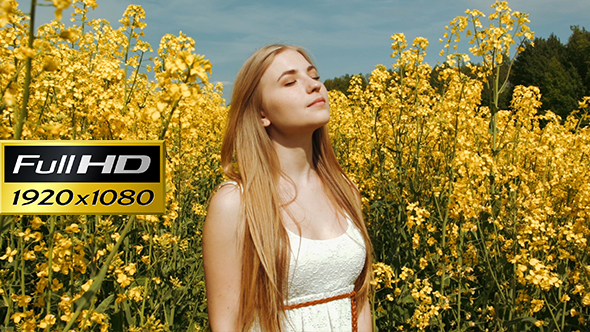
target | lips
x=318, y=102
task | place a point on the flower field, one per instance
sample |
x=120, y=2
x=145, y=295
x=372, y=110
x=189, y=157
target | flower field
x=480, y=216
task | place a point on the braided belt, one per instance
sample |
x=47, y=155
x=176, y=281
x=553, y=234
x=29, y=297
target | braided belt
x=330, y=299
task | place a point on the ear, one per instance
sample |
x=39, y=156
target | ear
x=264, y=119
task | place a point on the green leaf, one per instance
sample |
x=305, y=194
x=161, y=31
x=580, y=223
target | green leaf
x=104, y=305
x=408, y=299
x=522, y=319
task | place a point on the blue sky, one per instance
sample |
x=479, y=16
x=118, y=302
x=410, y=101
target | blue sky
x=344, y=36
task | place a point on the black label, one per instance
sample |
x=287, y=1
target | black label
x=79, y=163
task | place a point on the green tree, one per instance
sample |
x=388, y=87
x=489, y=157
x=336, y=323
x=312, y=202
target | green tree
x=486, y=96
x=578, y=54
x=546, y=66
x=342, y=83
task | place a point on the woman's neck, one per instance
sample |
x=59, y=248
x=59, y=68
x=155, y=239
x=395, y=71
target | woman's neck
x=296, y=158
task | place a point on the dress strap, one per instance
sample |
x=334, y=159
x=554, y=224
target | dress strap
x=353, y=309
x=225, y=183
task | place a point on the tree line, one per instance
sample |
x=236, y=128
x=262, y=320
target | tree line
x=561, y=71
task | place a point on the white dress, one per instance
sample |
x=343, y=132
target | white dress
x=319, y=269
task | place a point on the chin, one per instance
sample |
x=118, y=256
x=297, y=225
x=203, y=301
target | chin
x=318, y=125
x=322, y=122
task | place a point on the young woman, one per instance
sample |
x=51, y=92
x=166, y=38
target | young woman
x=285, y=247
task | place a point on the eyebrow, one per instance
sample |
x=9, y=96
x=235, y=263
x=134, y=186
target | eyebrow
x=294, y=71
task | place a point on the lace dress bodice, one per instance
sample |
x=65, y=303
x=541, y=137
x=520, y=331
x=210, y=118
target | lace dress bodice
x=319, y=269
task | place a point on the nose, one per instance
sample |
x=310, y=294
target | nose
x=313, y=85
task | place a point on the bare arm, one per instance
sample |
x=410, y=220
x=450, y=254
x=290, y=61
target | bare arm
x=365, y=320
x=222, y=257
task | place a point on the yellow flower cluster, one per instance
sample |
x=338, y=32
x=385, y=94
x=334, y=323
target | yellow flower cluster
x=382, y=276
x=485, y=206
x=429, y=303
x=90, y=81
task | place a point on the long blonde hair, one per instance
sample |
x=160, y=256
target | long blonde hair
x=248, y=157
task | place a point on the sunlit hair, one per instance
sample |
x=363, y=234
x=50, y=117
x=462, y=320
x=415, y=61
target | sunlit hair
x=248, y=157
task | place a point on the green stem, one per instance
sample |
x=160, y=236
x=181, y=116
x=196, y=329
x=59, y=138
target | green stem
x=564, y=313
x=167, y=121
x=174, y=106
x=146, y=287
x=2, y=217
x=23, y=113
x=551, y=312
x=125, y=71
x=11, y=81
x=443, y=242
x=8, y=302
x=21, y=260
x=50, y=263
x=486, y=256
x=134, y=84
x=88, y=314
x=91, y=293
x=460, y=271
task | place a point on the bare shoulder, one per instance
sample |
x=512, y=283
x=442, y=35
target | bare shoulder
x=224, y=208
x=222, y=257
x=227, y=197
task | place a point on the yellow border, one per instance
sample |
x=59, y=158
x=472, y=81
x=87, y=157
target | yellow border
x=159, y=206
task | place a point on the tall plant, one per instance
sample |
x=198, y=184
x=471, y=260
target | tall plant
x=90, y=81
x=478, y=214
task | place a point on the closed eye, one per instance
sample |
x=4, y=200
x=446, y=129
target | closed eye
x=290, y=83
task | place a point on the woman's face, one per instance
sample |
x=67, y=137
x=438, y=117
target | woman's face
x=294, y=101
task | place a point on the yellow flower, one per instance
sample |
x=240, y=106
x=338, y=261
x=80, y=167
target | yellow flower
x=36, y=222
x=27, y=235
x=18, y=316
x=415, y=241
x=49, y=64
x=120, y=298
x=21, y=300
x=130, y=269
x=405, y=273
x=60, y=5
x=73, y=228
x=123, y=279
x=423, y=263
x=87, y=285
x=176, y=283
x=70, y=35
x=536, y=305
x=382, y=275
x=136, y=293
x=24, y=52
x=48, y=321
x=67, y=316
x=29, y=256
x=56, y=285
